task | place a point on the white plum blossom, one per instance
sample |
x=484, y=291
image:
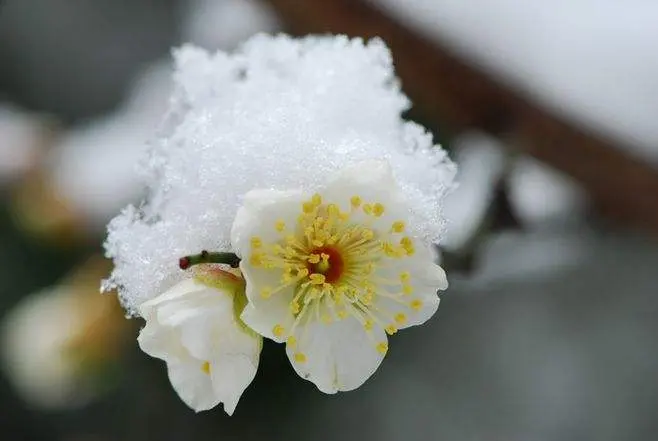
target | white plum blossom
x=293, y=155
x=331, y=273
x=194, y=327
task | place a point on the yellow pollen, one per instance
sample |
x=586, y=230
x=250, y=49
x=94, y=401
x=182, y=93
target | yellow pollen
x=378, y=209
x=292, y=341
x=382, y=348
x=256, y=259
x=300, y=357
x=266, y=292
x=400, y=318
x=280, y=225
x=205, y=367
x=333, y=210
x=416, y=304
x=391, y=329
x=406, y=242
x=317, y=279
x=367, y=234
x=332, y=265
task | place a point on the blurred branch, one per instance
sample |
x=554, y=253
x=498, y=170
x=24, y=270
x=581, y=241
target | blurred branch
x=460, y=96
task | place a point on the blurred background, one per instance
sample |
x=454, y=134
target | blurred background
x=549, y=329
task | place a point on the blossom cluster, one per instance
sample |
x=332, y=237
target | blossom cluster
x=318, y=207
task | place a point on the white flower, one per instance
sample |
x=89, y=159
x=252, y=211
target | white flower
x=58, y=345
x=195, y=328
x=331, y=273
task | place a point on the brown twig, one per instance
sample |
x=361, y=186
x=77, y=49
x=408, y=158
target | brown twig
x=459, y=96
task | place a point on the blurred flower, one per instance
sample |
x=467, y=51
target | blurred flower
x=22, y=138
x=195, y=328
x=90, y=171
x=482, y=165
x=543, y=197
x=222, y=24
x=332, y=273
x=60, y=345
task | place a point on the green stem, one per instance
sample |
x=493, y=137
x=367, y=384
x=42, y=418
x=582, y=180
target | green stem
x=207, y=257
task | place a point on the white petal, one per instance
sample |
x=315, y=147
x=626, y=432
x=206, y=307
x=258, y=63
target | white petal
x=185, y=309
x=338, y=357
x=161, y=342
x=193, y=324
x=371, y=180
x=264, y=318
x=231, y=374
x=258, y=214
x=193, y=385
x=176, y=292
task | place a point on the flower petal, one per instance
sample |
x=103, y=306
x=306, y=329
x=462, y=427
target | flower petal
x=231, y=374
x=161, y=342
x=193, y=384
x=258, y=214
x=177, y=291
x=337, y=357
x=265, y=318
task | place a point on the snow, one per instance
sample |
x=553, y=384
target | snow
x=593, y=60
x=277, y=113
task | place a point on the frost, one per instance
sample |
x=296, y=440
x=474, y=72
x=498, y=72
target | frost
x=278, y=113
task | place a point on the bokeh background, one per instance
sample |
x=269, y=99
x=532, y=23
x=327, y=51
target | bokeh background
x=549, y=329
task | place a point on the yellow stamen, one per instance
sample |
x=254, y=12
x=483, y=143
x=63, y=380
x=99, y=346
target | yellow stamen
x=256, y=242
x=416, y=304
x=378, y=209
x=280, y=225
x=391, y=329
